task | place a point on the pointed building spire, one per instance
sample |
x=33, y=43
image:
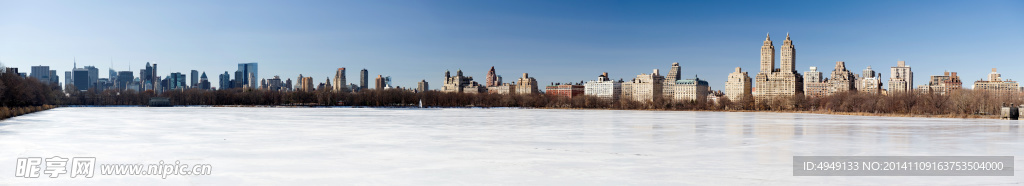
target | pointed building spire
x=767, y=36
x=787, y=35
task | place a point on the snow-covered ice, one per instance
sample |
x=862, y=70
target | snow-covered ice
x=367, y=146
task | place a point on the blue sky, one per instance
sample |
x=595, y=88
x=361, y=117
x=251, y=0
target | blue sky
x=554, y=41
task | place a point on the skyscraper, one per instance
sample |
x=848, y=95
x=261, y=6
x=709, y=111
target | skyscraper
x=492, y=78
x=42, y=73
x=673, y=74
x=247, y=69
x=225, y=81
x=363, y=78
x=340, y=84
x=81, y=79
x=901, y=78
x=379, y=82
x=94, y=75
x=195, y=79
x=772, y=83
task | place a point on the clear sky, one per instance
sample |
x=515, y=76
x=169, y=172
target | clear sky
x=554, y=41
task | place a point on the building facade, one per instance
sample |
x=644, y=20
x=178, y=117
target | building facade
x=841, y=79
x=567, y=90
x=460, y=83
x=738, y=85
x=603, y=88
x=526, y=85
x=996, y=85
x=946, y=83
x=340, y=82
x=691, y=90
x=869, y=82
x=901, y=78
x=644, y=88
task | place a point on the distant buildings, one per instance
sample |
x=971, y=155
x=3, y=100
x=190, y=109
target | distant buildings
x=340, y=84
x=250, y=73
x=814, y=84
x=690, y=90
x=422, y=86
x=204, y=83
x=195, y=79
x=670, y=80
x=946, y=83
x=363, y=79
x=997, y=85
x=379, y=82
x=870, y=83
x=526, y=85
x=603, y=87
x=901, y=78
x=81, y=78
x=492, y=78
x=567, y=90
x=738, y=85
x=841, y=79
x=771, y=82
x=643, y=88
x=460, y=83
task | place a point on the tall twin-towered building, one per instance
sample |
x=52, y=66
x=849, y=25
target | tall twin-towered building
x=773, y=83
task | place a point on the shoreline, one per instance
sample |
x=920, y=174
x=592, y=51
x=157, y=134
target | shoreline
x=801, y=112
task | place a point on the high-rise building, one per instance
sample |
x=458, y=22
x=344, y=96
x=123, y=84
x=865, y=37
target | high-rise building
x=674, y=74
x=460, y=83
x=225, y=81
x=773, y=83
x=422, y=86
x=645, y=87
x=248, y=70
x=81, y=78
x=901, y=78
x=492, y=78
x=204, y=82
x=870, y=83
x=946, y=83
x=94, y=75
x=195, y=79
x=42, y=73
x=996, y=85
x=340, y=84
x=526, y=85
x=668, y=87
x=738, y=85
x=54, y=79
x=177, y=81
x=603, y=88
x=814, y=84
x=363, y=78
x=841, y=79
x=379, y=83
x=306, y=83
x=69, y=78
x=124, y=79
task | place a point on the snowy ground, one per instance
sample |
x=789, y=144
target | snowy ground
x=364, y=146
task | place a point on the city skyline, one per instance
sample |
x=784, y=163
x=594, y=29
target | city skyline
x=553, y=41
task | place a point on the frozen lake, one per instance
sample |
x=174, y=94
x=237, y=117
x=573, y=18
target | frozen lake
x=365, y=146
